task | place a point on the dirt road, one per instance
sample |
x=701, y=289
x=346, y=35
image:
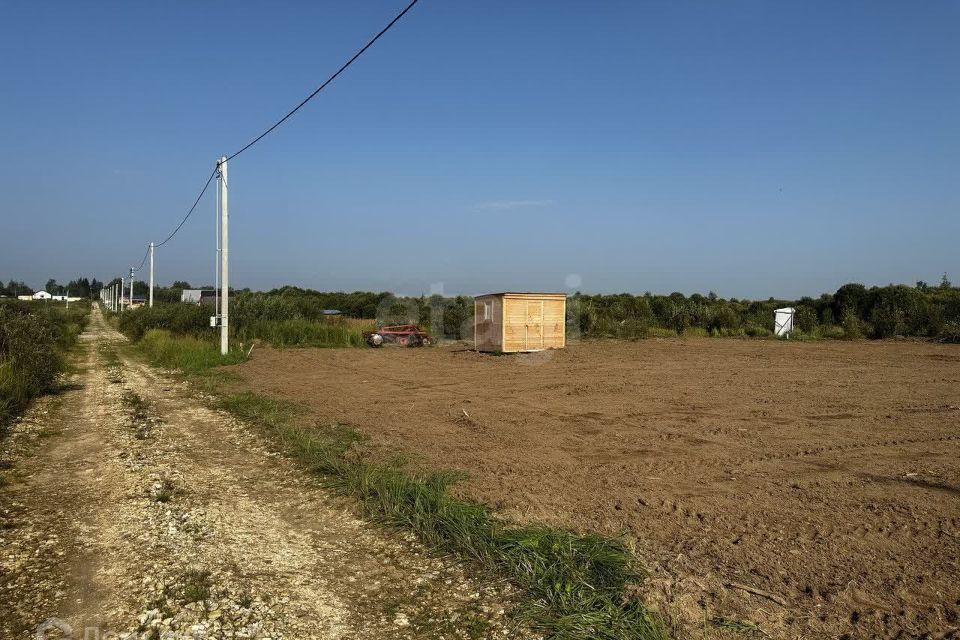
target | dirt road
x=813, y=488
x=129, y=507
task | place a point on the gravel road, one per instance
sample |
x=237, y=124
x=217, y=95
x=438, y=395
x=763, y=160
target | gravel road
x=131, y=509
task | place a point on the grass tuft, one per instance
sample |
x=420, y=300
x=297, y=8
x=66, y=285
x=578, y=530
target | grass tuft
x=196, y=585
x=740, y=626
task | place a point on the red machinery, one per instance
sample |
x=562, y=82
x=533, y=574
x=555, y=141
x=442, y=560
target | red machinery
x=407, y=335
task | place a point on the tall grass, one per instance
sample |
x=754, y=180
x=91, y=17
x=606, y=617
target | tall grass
x=303, y=333
x=576, y=585
x=33, y=339
x=189, y=354
x=191, y=320
x=182, y=319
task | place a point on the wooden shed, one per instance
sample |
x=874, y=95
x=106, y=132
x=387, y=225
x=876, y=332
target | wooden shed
x=511, y=321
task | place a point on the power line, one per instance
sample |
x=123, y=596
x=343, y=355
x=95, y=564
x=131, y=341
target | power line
x=144, y=261
x=195, y=203
x=277, y=124
x=326, y=82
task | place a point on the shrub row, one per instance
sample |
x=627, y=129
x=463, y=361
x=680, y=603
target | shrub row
x=33, y=339
x=854, y=311
x=249, y=319
x=294, y=317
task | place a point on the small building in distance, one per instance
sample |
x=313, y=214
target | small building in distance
x=198, y=296
x=41, y=295
x=510, y=322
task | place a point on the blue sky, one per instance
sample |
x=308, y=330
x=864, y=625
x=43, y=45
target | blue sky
x=750, y=148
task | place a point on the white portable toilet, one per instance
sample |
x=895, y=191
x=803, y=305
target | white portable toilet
x=783, y=321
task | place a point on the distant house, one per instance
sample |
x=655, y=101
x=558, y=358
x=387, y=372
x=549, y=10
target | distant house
x=41, y=295
x=198, y=296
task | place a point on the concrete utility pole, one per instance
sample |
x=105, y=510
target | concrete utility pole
x=130, y=301
x=151, y=275
x=224, y=260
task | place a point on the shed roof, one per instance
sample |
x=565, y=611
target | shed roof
x=521, y=293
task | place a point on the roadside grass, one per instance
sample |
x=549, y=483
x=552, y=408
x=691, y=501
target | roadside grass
x=35, y=338
x=576, y=585
x=186, y=353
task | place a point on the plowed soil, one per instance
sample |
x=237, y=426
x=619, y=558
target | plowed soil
x=810, y=488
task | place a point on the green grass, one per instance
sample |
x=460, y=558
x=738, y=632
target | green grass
x=186, y=353
x=165, y=491
x=247, y=324
x=139, y=414
x=303, y=333
x=575, y=585
x=739, y=626
x=196, y=585
x=34, y=340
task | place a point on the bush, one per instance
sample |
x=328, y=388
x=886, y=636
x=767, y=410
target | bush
x=181, y=319
x=831, y=331
x=853, y=327
x=33, y=338
x=950, y=333
x=755, y=331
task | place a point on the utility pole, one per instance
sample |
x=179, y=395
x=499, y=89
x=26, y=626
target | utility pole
x=130, y=301
x=151, y=275
x=224, y=261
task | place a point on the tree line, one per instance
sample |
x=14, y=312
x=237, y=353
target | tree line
x=852, y=311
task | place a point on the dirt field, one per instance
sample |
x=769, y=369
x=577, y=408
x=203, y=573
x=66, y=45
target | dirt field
x=822, y=476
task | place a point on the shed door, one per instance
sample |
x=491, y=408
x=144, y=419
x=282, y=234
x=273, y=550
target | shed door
x=534, y=324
